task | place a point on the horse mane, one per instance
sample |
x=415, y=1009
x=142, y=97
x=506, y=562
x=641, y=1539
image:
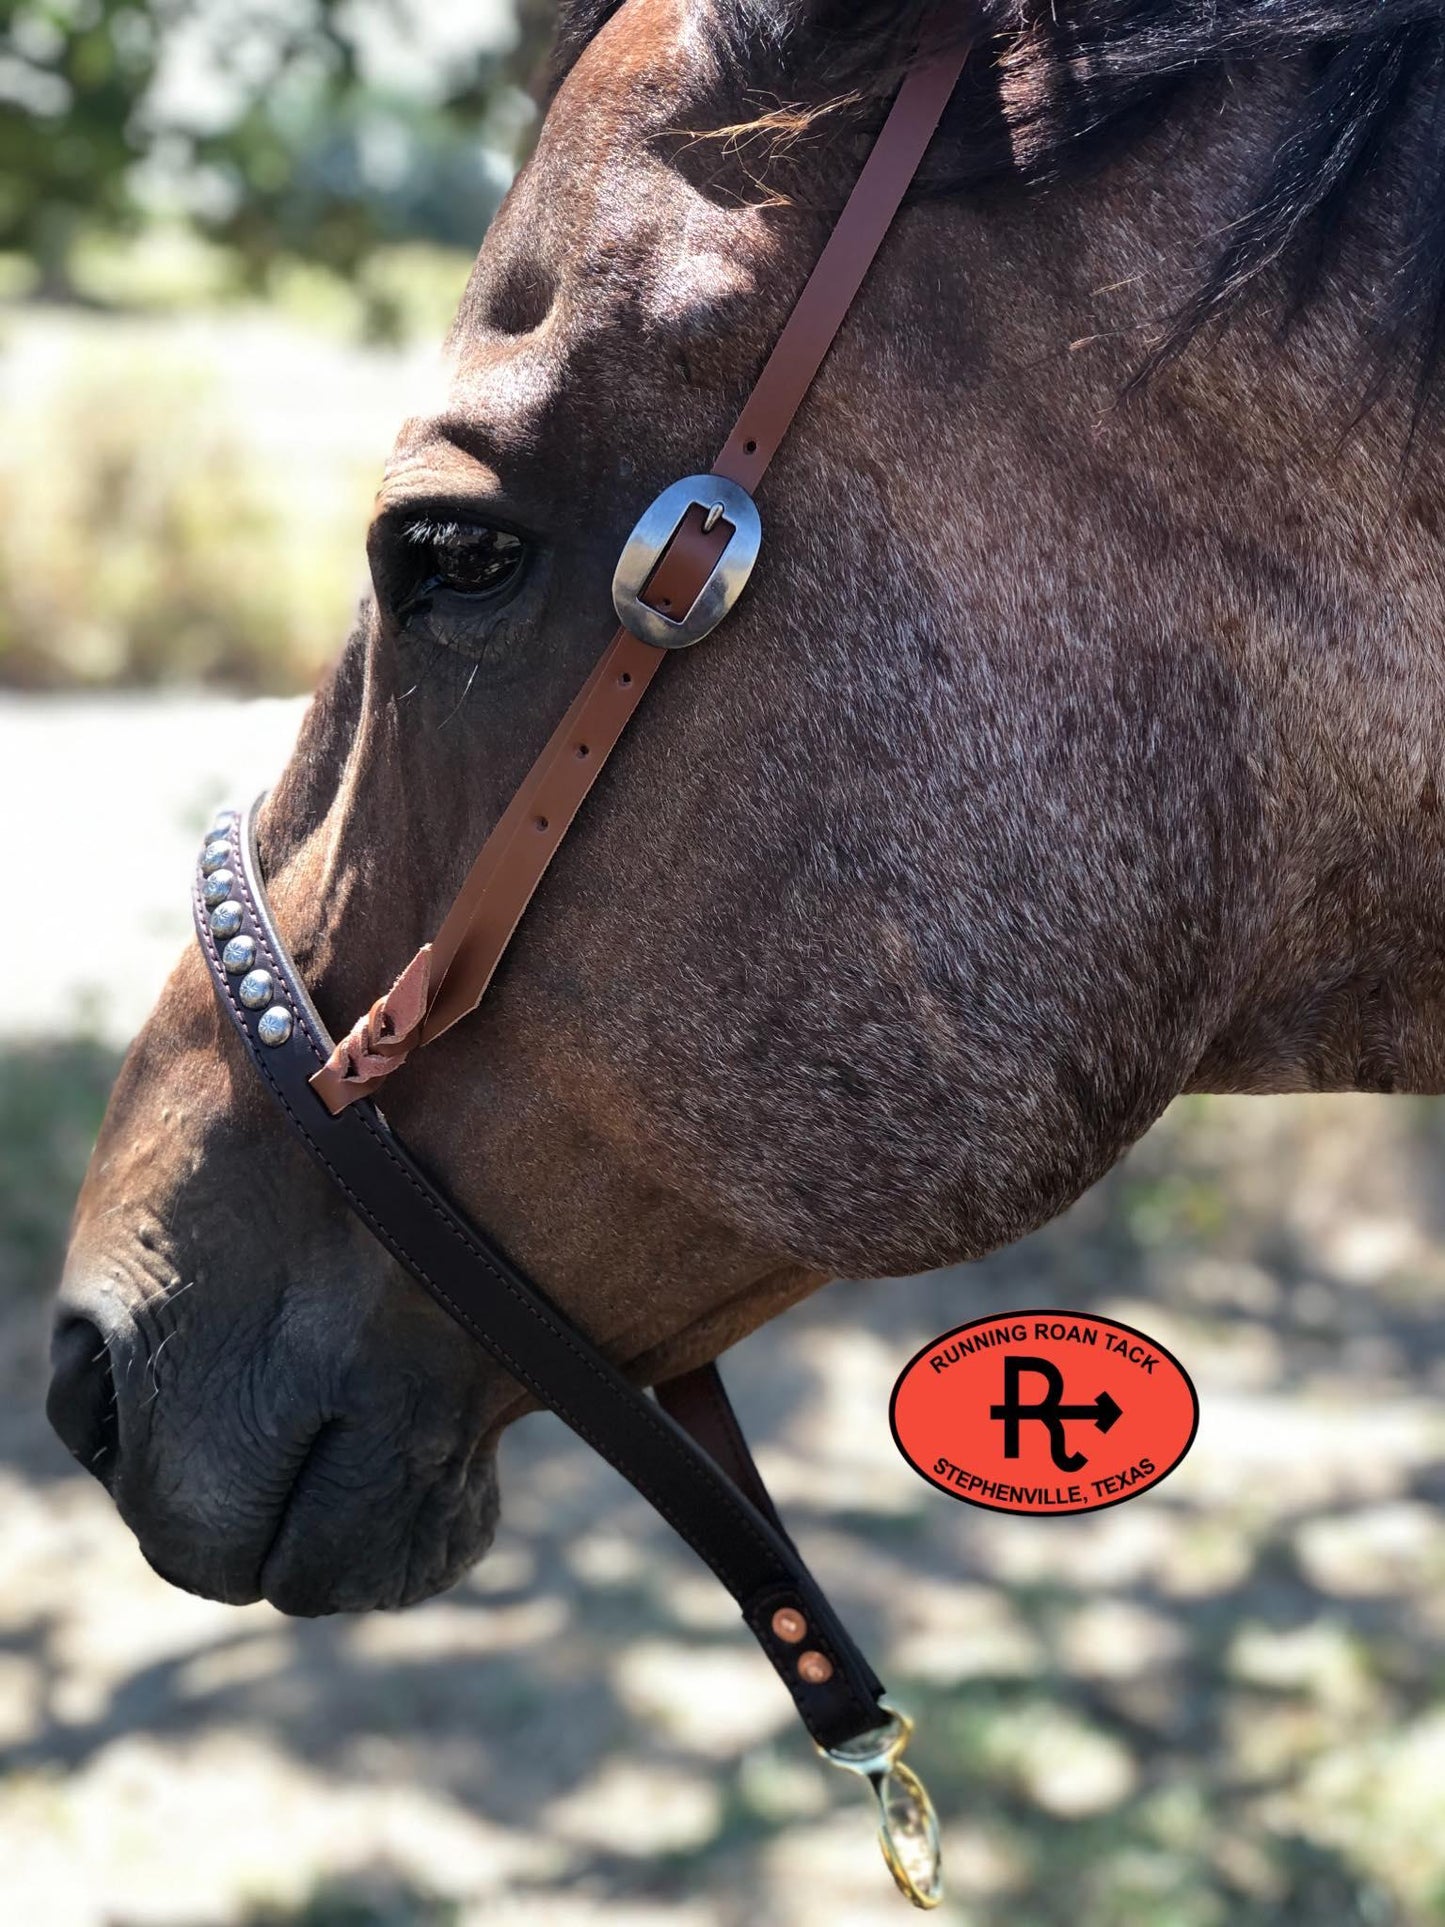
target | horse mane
x=1056, y=85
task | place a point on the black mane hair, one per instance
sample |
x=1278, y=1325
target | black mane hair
x=1056, y=84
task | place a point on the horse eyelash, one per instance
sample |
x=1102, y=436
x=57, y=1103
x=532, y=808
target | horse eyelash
x=425, y=534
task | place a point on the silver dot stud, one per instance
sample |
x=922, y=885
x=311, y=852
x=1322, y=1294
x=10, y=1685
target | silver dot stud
x=216, y=836
x=217, y=887
x=226, y=920
x=223, y=821
x=274, y=1026
x=239, y=955
x=256, y=989
x=215, y=857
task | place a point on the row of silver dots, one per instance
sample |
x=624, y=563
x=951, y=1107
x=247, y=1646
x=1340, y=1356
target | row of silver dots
x=257, y=988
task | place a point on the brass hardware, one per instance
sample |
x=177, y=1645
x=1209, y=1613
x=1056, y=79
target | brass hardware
x=789, y=1625
x=907, y=1823
x=815, y=1668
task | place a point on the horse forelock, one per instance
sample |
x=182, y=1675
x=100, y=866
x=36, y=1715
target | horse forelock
x=1059, y=87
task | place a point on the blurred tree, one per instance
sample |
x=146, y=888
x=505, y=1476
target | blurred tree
x=70, y=84
x=274, y=126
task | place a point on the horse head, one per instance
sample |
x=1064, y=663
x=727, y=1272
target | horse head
x=1062, y=755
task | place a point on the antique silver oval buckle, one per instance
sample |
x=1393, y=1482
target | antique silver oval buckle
x=907, y=1824
x=643, y=552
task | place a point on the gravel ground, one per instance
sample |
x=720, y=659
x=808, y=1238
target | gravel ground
x=1220, y=1704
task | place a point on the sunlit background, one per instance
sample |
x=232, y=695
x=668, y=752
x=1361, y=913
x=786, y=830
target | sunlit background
x=231, y=233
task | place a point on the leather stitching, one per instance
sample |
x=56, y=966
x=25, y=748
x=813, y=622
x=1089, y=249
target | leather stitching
x=689, y=1467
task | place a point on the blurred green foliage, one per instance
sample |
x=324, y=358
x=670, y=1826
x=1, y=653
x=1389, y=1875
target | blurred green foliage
x=306, y=180
x=273, y=130
x=66, y=149
x=52, y=1097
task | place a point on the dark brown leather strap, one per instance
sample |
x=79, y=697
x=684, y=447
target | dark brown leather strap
x=698, y=1401
x=449, y=976
x=730, y=1524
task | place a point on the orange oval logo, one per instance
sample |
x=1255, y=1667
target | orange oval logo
x=1044, y=1411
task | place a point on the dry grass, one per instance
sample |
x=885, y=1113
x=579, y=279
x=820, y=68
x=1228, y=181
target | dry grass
x=183, y=497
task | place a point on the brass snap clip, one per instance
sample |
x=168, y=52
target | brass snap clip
x=643, y=551
x=907, y=1823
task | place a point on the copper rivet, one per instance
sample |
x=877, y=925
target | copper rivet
x=789, y=1624
x=815, y=1668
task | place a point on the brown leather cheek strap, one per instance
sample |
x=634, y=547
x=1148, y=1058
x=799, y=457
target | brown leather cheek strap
x=449, y=976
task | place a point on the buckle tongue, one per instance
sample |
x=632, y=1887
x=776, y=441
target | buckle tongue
x=720, y=501
x=907, y=1823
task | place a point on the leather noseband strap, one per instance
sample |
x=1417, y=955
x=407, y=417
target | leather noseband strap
x=729, y=1522
x=683, y=1450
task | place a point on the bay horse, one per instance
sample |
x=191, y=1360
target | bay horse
x=1076, y=744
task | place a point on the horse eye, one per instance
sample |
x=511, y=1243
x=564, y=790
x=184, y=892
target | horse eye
x=463, y=558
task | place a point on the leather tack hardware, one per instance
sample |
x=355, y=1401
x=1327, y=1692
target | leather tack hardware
x=721, y=502
x=790, y=1625
x=815, y=1668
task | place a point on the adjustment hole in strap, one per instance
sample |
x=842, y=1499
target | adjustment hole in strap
x=624, y=681
x=539, y=823
x=750, y=448
x=583, y=750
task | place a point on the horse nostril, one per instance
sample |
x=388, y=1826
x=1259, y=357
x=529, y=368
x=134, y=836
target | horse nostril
x=81, y=1401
